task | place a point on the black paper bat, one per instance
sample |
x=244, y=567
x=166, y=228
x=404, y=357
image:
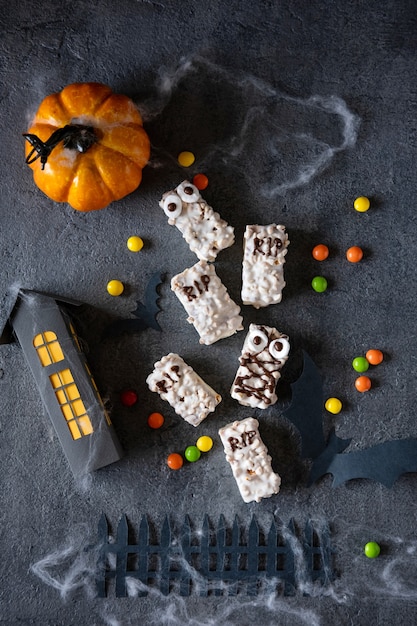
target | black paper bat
x=384, y=462
x=145, y=314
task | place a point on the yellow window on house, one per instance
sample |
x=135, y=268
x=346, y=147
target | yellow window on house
x=48, y=348
x=72, y=407
x=67, y=394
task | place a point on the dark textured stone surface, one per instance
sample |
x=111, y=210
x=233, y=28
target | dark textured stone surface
x=242, y=84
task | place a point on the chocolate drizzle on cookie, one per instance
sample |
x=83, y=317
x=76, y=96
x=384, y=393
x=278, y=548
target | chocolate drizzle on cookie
x=257, y=370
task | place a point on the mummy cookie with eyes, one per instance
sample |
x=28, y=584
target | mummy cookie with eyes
x=187, y=393
x=249, y=460
x=264, y=352
x=202, y=228
x=264, y=250
x=207, y=302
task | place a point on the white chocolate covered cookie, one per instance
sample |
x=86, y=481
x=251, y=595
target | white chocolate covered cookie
x=249, y=460
x=207, y=302
x=202, y=228
x=187, y=393
x=264, y=253
x=264, y=353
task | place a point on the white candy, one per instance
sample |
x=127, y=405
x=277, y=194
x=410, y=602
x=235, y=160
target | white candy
x=264, y=353
x=265, y=248
x=207, y=302
x=187, y=393
x=249, y=460
x=203, y=229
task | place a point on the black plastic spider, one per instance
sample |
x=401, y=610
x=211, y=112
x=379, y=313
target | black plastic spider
x=74, y=136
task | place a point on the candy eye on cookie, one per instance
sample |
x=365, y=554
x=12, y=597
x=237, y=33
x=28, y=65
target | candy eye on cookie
x=257, y=341
x=188, y=192
x=172, y=206
x=279, y=348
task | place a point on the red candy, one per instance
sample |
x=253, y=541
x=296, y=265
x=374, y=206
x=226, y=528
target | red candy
x=128, y=397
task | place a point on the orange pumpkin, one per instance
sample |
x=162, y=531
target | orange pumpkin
x=87, y=146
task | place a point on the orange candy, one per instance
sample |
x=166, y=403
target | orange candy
x=155, y=420
x=363, y=383
x=200, y=181
x=175, y=461
x=374, y=357
x=354, y=254
x=320, y=252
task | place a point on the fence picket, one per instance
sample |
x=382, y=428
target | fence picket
x=121, y=557
x=318, y=553
x=272, y=565
x=234, y=563
x=289, y=560
x=220, y=554
x=102, y=561
x=185, y=578
x=143, y=572
x=253, y=557
x=165, y=565
x=204, y=556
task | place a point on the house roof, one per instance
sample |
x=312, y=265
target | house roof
x=8, y=303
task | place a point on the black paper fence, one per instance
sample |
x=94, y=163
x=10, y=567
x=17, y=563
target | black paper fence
x=213, y=561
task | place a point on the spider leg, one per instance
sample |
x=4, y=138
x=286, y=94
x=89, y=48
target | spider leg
x=42, y=149
x=29, y=159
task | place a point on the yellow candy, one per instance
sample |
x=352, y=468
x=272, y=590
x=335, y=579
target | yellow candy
x=186, y=158
x=135, y=243
x=333, y=405
x=115, y=287
x=361, y=204
x=204, y=443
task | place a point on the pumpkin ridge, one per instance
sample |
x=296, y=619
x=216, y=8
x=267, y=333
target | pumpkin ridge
x=126, y=156
x=115, y=190
x=92, y=112
x=58, y=194
x=61, y=102
x=102, y=179
x=78, y=171
x=115, y=150
x=100, y=104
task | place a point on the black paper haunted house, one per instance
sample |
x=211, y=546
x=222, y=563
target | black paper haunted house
x=43, y=327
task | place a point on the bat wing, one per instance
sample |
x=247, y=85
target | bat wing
x=384, y=463
x=306, y=409
x=148, y=311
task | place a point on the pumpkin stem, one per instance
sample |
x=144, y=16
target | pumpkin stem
x=74, y=136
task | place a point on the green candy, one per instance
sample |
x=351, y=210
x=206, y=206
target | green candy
x=319, y=284
x=360, y=364
x=192, y=454
x=372, y=550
